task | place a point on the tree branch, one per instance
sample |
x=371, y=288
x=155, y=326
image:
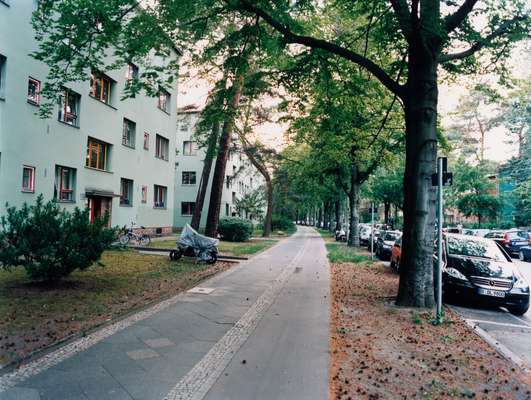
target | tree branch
x=452, y=21
x=501, y=30
x=333, y=48
x=404, y=18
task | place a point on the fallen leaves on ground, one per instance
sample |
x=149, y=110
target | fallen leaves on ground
x=380, y=351
x=36, y=315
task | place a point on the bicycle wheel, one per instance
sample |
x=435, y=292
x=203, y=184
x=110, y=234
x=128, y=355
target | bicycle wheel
x=145, y=240
x=124, y=239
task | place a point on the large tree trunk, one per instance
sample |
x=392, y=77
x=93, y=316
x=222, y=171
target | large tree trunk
x=338, y=215
x=205, y=176
x=416, y=264
x=354, y=201
x=320, y=217
x=221, y=160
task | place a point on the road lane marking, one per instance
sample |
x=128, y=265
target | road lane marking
x=520, y=319
x=481, y=321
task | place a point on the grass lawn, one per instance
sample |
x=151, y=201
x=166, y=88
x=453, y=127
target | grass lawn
x=340, y=252
x=33, y=316
x=229, y=248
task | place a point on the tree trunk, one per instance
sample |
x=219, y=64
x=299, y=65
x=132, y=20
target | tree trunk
x=338, y=215
x=221, y=160
x=479, y=220
x=320, y=217
x=269, y=186
x=387, y=207
x=205, y=176
x=416, y=264
x=354, y=201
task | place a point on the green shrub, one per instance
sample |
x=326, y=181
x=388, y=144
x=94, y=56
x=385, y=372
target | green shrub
x=49, y=242
x=281, y=223
x=235, y=229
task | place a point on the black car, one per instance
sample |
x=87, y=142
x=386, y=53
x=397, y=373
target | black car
x=511, y=240
x=385, y=243
x=479, y=268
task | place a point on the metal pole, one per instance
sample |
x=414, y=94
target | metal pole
x=439, y=237
x=372, y=231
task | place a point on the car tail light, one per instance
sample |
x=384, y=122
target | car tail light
x=506, y=238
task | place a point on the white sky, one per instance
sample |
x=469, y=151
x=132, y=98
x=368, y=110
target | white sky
x=194, y=90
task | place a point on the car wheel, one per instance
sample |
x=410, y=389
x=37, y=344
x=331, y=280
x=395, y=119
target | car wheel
x=518, y=310
x=176, y=254
x=521, y=255
x=213, y=257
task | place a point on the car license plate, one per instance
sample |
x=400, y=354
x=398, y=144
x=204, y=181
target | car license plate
x=490, y=292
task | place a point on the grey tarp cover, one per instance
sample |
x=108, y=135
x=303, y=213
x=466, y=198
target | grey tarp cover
x=201, y=244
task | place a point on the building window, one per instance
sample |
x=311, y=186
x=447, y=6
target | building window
x=97, y=154
x=3, y=63
x=131, y=72
x=101, y=87
x=28, y=179
x=144, y=194
x=164, y=101
x=126, y=192
x=233, y=197
x=227, y=209
x=34, y=89
x=189, y=148
x=189, y=178
x=185, y=122
x=128, y=134
x=162, y=146
x=187, y=208
x=65, y=183
x=69, y=107
x=146, y=141
x=159, y=196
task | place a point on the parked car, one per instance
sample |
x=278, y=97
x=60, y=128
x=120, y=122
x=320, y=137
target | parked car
x=525, y=253
x=374, y=239
x=365, y=234
x=396, y=251
x=511, y=240
x=385, y=243
x=341, y=235
x=479, y=268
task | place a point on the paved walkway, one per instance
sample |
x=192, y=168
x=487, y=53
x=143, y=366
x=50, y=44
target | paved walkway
x=260, y=333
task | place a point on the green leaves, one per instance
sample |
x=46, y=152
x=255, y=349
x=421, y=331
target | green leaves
x=50, y=242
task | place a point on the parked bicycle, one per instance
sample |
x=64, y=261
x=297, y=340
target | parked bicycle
x=128, y=235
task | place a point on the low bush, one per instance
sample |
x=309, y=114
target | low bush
x=235, y=229
x=49, y=242
x=281, y=223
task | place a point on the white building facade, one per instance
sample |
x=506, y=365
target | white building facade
x=241, y=176
x=95, y=151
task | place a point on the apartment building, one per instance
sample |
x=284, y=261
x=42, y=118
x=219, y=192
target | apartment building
x=241, y=176
x=95, y=151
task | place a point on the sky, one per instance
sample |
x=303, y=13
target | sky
x=194, y=90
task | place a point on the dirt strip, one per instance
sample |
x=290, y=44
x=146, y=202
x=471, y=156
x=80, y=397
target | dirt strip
x=380, y=351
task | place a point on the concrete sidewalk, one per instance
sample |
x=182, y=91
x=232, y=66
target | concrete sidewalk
x=261, y=333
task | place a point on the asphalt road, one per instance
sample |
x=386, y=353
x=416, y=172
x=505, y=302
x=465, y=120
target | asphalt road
x=511, y=334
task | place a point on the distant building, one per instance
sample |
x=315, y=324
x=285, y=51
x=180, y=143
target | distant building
x=96, y=150
x=240, y=175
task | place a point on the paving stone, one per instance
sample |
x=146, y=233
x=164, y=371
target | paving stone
x=142, y=354
x=158, y=343
x=20, y=393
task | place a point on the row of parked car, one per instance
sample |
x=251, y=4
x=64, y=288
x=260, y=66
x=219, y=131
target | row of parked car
x=476, y=266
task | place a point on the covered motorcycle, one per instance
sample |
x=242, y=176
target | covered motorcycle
x=193, y=244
